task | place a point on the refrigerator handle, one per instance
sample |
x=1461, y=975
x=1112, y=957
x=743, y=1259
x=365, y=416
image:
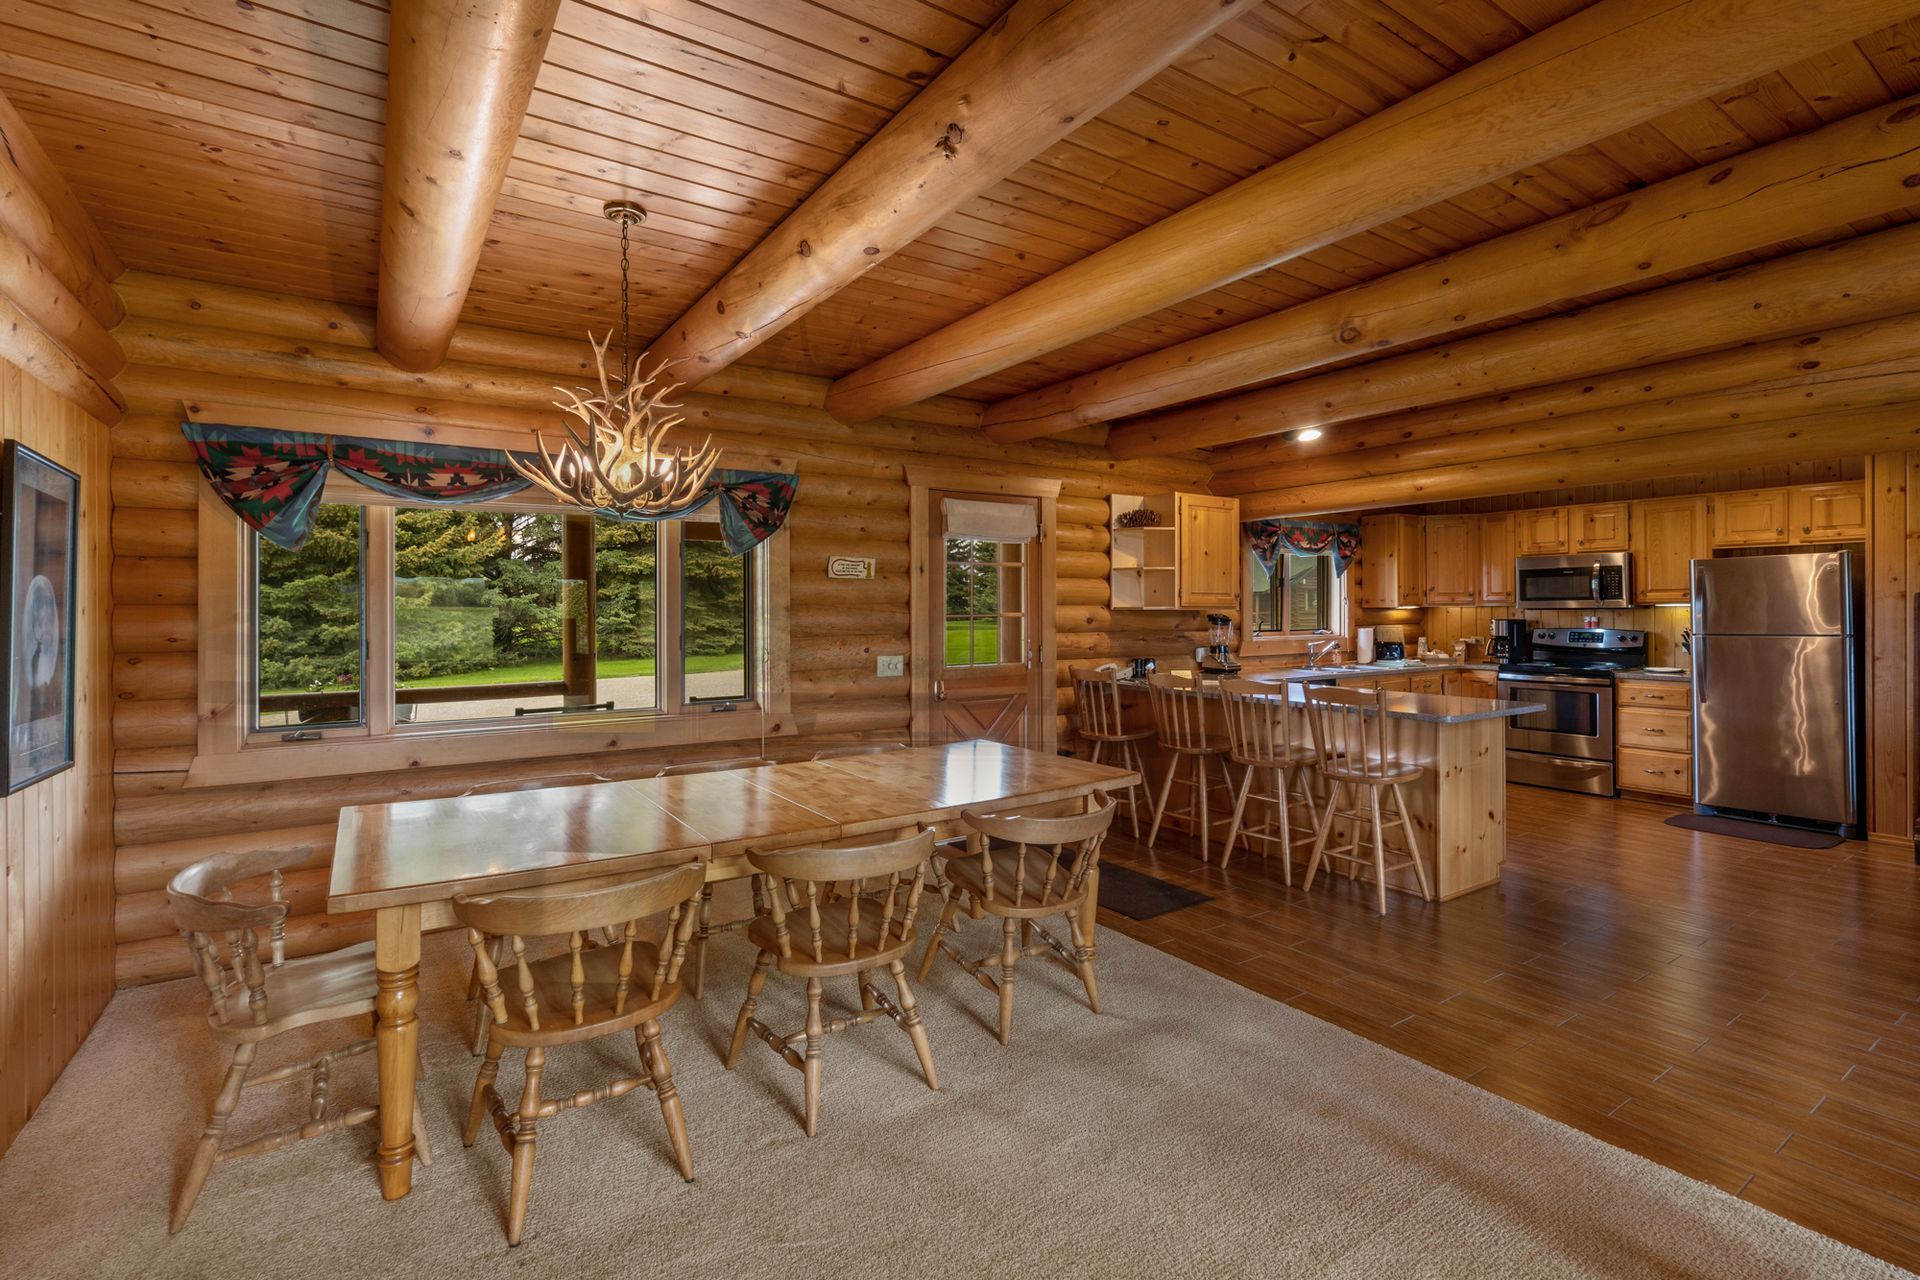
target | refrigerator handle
x=1699, y=670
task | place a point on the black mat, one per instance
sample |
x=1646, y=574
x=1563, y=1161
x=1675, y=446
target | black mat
x=1793, y=837
x=1138, y=896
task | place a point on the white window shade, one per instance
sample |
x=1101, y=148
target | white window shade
x=994, y=521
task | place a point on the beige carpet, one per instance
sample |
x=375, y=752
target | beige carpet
x=1196, y=1129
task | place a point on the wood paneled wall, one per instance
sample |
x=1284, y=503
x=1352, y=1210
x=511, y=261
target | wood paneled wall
x=56, y=902
x=189, y=342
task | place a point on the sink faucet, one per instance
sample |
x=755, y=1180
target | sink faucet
x=1318, y=649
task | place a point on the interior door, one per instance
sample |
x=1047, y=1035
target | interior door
x=985, y=647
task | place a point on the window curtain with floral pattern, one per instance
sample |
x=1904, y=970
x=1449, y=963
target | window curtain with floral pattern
x=1269, y=538
x=273, y=479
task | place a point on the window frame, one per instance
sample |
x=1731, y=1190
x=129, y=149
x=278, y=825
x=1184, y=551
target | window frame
x=229, y=750
x=1268, y=643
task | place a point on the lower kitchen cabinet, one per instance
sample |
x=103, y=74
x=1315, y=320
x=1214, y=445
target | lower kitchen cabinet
x=1654, y=736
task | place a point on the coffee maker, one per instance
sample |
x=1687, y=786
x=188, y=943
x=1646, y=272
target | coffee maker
x=1509, y=640
x=1218, y=659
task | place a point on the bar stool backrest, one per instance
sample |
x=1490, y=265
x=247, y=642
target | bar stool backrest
x=1263, y=724
x=1179, y=712
x=1096, y=701
x=1350, y=731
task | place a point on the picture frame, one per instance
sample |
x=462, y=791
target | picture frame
x=39, y=529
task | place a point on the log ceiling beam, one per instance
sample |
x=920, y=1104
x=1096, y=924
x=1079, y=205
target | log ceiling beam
x=1606, y=68
x=1796, y=361
x=1892, y=427
x=40, y=208
x=1851, y=170
x=1861, y=279
x=1021, y=86
x=459, y=75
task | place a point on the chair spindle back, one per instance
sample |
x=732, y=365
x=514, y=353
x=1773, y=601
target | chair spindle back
x=1350, y=731
x=223, y=934
x=1263, y=724
x=1080, y=833
x=1096, y=701
x=792, y=883
x=1179, y=712
x=557, y=910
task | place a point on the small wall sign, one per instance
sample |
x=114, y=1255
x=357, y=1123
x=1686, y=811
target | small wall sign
x=849, y=567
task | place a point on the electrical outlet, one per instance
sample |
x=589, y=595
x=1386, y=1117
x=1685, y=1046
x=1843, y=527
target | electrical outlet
x=891, y=664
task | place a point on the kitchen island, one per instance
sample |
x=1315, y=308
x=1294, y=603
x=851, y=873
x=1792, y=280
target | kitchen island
x=1458, y=804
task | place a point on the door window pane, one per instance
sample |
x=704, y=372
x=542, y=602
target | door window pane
x=716, y=624
x=309, y=627
x=985, y=607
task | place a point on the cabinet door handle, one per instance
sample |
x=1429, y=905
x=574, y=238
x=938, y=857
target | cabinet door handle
x=1651, y=729
x=1653, y=771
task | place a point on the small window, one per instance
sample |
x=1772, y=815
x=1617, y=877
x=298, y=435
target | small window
x=986, y=619
x=1297, y=596
x=310, y=611
x=716, y=623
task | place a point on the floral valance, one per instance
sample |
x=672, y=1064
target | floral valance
x=1303, y=537
x=272, y=480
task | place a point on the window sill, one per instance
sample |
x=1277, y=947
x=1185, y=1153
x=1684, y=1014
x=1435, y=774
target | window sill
x=487, y=744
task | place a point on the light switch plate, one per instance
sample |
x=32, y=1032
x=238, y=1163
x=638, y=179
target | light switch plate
x=891, y=664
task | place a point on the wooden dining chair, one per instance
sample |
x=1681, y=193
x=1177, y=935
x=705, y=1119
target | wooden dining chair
x=1024, y=870
x=867, y=927
x=697, y=975
x=1180, y=725
x=859, y=749
x=1353, y=740
x=1268, y=738
x=580, y=994
x=252, y=1001
x=1098, y=719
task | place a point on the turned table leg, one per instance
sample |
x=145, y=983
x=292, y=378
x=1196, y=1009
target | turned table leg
x=396, y=955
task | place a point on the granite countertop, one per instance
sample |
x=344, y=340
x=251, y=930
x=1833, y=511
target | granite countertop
x=1641, y=673
x=1428, y=708
x=1357, y=671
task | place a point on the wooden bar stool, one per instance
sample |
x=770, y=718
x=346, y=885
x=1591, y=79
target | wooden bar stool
x=1024, y=870
x=1180, y=724
x=866, y=928
x=697, y=976
x=1351, y=736
x=1270, y=742
x=253, y=1002
x=580, y=994
x=1098, y=718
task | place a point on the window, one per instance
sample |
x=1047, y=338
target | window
x=1299, y=596
x=397, y=621
x=986, y=616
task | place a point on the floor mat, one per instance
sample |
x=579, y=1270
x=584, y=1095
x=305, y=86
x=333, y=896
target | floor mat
x=1139, y=896
x=1793, y=837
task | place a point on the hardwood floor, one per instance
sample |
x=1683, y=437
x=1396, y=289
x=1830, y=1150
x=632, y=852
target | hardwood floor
x=1744, y=1013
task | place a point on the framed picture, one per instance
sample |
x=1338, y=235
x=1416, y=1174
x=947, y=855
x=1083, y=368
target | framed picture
x=39, y=523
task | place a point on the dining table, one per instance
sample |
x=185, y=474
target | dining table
x=406, y=861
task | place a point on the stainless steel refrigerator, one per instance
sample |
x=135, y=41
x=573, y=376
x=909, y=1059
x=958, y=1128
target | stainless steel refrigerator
x=1776, y=672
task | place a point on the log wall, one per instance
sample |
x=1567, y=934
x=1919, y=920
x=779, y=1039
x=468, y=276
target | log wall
x=188, y=342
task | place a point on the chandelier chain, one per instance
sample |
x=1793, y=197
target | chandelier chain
x=626, y=337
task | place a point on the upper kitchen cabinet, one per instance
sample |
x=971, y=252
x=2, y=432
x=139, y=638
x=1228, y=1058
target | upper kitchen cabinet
x=1828, y=512
x=1541, y=532
x=1496, y=559
x=1390, y=571
x=1598, y=526
x=1756, y=518
x=1453, y=560
x=1668, y=535
x=1209, y=547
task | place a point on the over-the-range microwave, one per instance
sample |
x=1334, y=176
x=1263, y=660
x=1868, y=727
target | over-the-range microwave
x=1600, y=580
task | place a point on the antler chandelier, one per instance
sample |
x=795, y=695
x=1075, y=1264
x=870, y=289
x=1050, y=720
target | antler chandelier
x=617, y=458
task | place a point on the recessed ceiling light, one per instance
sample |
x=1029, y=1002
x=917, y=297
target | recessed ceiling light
x=1305, y=434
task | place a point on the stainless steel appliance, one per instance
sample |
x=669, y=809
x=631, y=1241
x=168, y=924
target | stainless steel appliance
x=1508, y=639
x=1569, y=673
x=1776, y=688
x=1218, y=658
x=1602, y=580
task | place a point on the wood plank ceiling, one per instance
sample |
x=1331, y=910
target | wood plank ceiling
x=241, y=143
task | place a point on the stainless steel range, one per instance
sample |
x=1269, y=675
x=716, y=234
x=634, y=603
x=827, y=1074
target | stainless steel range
x=1570, y=673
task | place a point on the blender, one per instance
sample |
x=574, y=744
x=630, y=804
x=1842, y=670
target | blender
x=1218, y=658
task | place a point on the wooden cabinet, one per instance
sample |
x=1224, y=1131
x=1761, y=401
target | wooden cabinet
x=1496, y=559
x=1209, y=550
x=1428, y=682
x=1755, y=518
x=1188, y=557
x=1654, y=730
x=1540, y=532
x=1828, y=513
x=1668, y=535
x=1599, y=526
x=1484, y=683
x=1453, y=560
x=1390, y=571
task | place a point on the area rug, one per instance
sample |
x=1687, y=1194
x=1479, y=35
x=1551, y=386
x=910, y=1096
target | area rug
x=1194, y=1129
x=1765, y=832
x=1139, y=896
